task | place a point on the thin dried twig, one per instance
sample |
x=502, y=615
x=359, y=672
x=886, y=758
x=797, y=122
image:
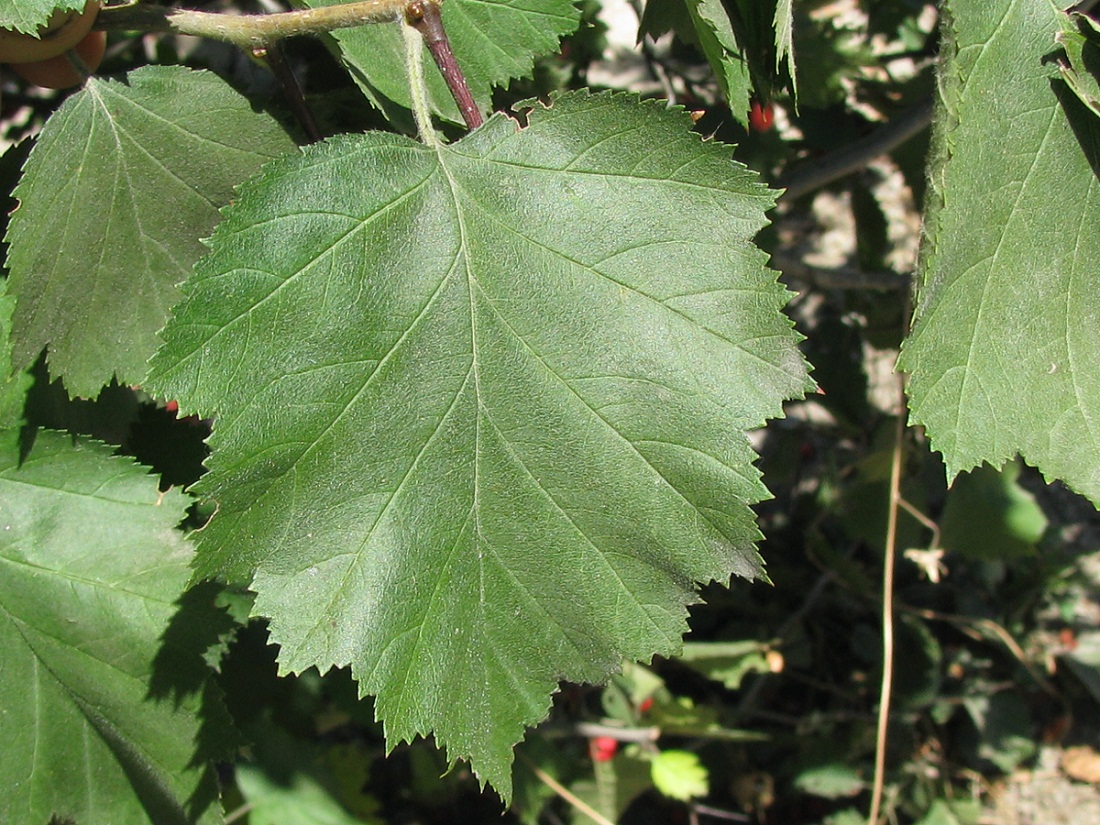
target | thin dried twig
x=564, y=792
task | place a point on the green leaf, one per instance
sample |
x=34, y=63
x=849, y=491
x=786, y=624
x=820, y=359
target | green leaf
x=1003, y=356
x=726, y=662
x=92, y=564
x=953, y=812
x=1080, y=37
x=494, y=41
x=286, y=784
x=1084, y=661
x=719, y=43
x=13, y=386
x=480, y=407
x=680, y=775
x=611, y=788
x=1005, y=729
x=831, y=780
x=124, y=181
x=990, y=516
x=28, y=16
x=784, y=41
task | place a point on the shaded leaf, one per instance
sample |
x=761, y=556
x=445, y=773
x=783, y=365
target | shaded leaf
x=784, y=41
x=1004, y=356
x=1080, y=37
x=286, y=784
x=92, y=567
x=481, y=407
x=495, y=41
x=124, y=181
x=718, y=41
x=990, y=516
x=13, y=387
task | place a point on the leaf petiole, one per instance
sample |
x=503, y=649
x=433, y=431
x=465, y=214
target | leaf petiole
x=424, y=16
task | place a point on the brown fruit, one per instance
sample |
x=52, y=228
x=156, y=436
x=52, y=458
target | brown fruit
x=62, y=31
x=59, y=72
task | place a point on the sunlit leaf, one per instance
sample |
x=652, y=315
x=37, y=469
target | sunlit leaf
x=122, y=184
x=1004, y=356
x=481, y=407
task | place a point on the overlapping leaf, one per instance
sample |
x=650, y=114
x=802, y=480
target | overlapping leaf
x=13, y=387
x=495, y=41
x=1080, y=38
x=91, y=566
x=28, y=15
x=1004, y=356
x=125, y=180
x=749, y=44
x=480, y=407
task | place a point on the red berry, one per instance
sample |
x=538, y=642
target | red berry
x=761, y=116
x=603, y=748
x=645, y=705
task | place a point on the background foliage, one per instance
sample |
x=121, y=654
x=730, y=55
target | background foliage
x=478, y=417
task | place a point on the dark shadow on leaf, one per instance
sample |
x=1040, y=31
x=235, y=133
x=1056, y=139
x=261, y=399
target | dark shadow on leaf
x=183, y=673
x=150, y=786
x=1085, y=124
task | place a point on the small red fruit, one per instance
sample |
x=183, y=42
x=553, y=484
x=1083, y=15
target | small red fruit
x=761, y=116
x=603, y=748
x=645, y=705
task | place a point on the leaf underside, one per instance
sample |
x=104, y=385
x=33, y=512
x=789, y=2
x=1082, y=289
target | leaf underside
x=481, y=407
x=1004, y=356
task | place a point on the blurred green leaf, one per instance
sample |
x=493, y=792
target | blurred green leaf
x=1005, y=729
x=615, y=784
x=726, y=662
x=1084, y=661
x=833, y=780
x=988, y=515
x=952, y=812
x=680, y=775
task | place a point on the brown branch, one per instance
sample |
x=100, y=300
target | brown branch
x=425, y=17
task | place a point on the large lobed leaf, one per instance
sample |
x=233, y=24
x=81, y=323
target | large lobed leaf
x=496, y=41
x=1004, y=356
x=124, y=181
x=91, y=567
x=480, y=407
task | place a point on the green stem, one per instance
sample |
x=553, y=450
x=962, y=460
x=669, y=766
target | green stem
x=414, y=63
x=250, y=31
